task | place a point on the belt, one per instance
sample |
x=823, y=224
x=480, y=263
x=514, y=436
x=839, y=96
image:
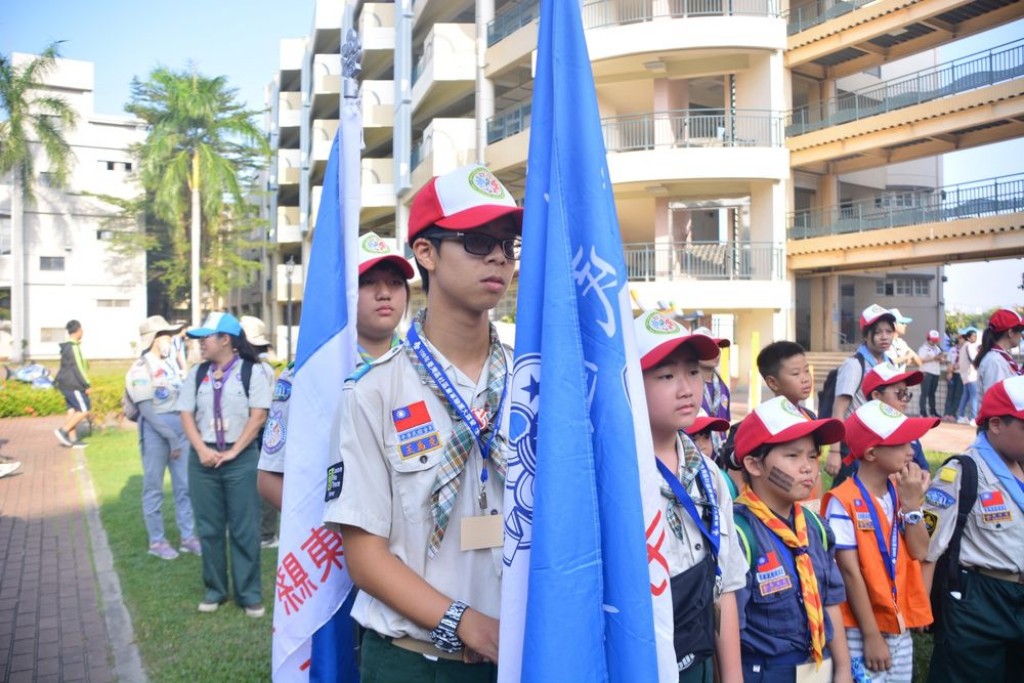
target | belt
x=423, y=648
x=1010, y=577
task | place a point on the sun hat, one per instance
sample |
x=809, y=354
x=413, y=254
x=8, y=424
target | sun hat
x=657, y=336
x=879, y=424
x=778, y=421
x=704, y=421
x=884, y=374
x=217, y=323
x=255, y=330
x=874, y=313
x=968, y=331
x=151, y=327
x=1002, y=399
x=1005, y=319
x=462, y=199
x=373, y=249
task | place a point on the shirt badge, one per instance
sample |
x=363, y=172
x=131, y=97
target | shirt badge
x=416, y=432
x=275, y=433
x=993, y=507
x=864, y=521
x=771, y=576
x=937, y=498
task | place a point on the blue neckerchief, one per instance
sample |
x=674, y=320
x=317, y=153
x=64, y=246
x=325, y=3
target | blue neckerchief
x=888, y=555
x=437, y=374
x=999, y=468
x=869, y=358
x=714, y=535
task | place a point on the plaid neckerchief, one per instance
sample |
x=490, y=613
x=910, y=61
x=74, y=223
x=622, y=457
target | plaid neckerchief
x=366, y=358
x=459, y=446
x=689, y=466
x=797, y=542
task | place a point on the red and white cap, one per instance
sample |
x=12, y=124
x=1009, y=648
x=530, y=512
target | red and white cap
x=373, y=249
x=1005, y=319
x=873, y=313
x=1005, y=398
x=704, y=421
x=721, y=341
x=779, y=421
x=658, y=335
x=879, y=424
x=884, y=374
x=463, y=199
x=933, y=335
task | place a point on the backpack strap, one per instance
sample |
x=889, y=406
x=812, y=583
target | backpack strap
x=967, y=498
x=204, y=368
x=817, y=521
x=246, y=375
x=747, y=539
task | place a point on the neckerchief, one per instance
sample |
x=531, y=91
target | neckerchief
x=796, y=540
x=366, y=358
x=1008, y=358
x=458, y=447
x=869, y=358
x=689, y=466
x=999, y=468
x=218, y=389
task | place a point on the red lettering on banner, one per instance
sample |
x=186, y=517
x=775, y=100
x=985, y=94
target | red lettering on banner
x=300, y=588
x=325, y=549
x=654, y=553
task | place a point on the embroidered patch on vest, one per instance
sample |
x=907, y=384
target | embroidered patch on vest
x=771, y=576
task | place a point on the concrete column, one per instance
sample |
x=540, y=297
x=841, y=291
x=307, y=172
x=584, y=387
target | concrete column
x=825, y=313
x=662, y=238
x=484, y=85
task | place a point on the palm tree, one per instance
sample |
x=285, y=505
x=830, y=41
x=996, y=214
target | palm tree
x=29, y=117
x=202, y=144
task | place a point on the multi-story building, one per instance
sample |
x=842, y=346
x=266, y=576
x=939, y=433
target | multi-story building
x=56, y=261
x=777, y=169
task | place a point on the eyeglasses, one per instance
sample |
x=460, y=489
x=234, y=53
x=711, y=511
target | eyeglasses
x=479, y=244
x=904, y=394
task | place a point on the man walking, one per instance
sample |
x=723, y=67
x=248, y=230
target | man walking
x=73, y=381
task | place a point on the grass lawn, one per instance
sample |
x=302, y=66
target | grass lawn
x=176, y=642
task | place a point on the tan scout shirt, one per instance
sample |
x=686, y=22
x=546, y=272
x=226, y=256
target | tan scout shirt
x=388, y=494
x=154, y=379
x=234, y=404
x=994, y=534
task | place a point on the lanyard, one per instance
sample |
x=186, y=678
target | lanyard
x=218, y=390
x=714, y=535
x=888, y=555
x=442, y=382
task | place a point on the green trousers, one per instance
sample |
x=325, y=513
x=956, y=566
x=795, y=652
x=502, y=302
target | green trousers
x=981, y=636
x=382, y=662
x=226, y=506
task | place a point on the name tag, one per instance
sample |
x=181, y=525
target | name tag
x=483, y=531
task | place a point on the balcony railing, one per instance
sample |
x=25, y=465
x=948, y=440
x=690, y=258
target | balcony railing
x=508, y=123
x=601, y=13
x=647, y=262
x=989, y=197
x=693, y=128
x=979, y=70
x=806, y=16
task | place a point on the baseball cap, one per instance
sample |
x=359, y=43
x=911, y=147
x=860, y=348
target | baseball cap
x=721, y=341
x=373, y=249
x=705, y=421
x=884, y=374
x=1003, y=398
x=462, y=199
x=968, y=330
x=873, y=313
x=255, y=330
x=657, y=336
x=1005, y=319
x=900, y=318
x=933, y=335
x=779, y=421
x=152, y=326
x=879, y=424
x=217, y=323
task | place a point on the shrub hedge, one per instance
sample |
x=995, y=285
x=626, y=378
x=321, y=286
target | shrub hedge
x=18, y=399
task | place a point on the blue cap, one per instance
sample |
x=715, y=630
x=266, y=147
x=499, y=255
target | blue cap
x=968, y=330
x=217, y=323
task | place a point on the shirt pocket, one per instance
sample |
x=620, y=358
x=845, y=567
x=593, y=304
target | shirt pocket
x=994, y=513
x=774, y=604
x=414, y=465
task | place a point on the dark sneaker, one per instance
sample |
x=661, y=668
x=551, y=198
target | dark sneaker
x=63, y=437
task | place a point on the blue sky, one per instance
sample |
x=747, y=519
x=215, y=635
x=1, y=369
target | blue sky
x=239, y=39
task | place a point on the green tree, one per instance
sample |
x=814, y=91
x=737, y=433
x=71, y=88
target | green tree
x=30, y=117
x=200, y=157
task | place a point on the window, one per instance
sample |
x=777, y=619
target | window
x=51, y=334
x=104, y=235
x=922, y=288
x=105, y=165
x=46, y=179
x=51, y=263
x=5, y=236
x=903, y=287
x=113, y=303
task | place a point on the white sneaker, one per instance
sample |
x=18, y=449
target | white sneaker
x=208, y=607
x=9, y=468
x=63, y=437
x=255, y=611
x=963, y=421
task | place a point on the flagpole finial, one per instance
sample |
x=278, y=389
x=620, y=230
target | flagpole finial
x=351, y=54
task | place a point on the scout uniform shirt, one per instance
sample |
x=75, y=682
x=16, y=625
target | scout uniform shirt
x=391, y=432
x=993, y=536
x=275, y=432
x=152, y=378
x=234, y=403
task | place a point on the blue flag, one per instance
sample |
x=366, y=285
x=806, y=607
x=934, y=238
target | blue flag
x=577, y=579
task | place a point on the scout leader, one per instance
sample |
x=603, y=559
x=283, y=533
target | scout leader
x=423, y=445
x=979, y=634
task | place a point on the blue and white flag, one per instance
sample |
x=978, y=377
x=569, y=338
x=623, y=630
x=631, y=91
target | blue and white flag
x=584, y=579
x=312, y=578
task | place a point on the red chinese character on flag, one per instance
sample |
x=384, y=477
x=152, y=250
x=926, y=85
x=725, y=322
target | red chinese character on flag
x=654, y=553
x=301, y=588
x=325, y=549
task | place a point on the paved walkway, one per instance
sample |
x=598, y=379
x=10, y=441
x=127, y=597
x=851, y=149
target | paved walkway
x=58, y=621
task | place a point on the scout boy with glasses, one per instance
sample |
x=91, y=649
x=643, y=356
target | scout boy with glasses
x=423, y=444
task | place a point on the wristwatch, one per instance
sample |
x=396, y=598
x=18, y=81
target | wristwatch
x=913, y=517
x=443, y=636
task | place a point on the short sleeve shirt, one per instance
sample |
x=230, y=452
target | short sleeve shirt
x=844, y=528
x=383, y=419
x=275, y=433
x=848, y=381
x=993, y=369
x=154, y=379
x=235, y=406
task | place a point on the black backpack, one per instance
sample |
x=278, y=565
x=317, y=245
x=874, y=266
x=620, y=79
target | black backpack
x=827, y=395
x=946, y=578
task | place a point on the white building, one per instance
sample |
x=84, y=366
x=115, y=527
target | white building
x=55, y=258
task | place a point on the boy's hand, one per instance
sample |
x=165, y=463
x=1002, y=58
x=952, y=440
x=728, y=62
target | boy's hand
x=834, y=461
x=876, y=653
x=911, y=483
x=479, y=635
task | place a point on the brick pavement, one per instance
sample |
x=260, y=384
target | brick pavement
x=52, y=613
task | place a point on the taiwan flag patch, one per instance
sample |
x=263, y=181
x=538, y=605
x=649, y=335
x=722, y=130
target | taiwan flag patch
x=417, y=435
x=410, y=416
x=993, y=507
x=771, y=577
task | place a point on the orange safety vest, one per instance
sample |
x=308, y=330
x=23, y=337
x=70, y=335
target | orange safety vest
x=912, y=599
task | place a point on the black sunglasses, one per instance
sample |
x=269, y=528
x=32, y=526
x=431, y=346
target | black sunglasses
x=903, y=394
x=479, y=244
